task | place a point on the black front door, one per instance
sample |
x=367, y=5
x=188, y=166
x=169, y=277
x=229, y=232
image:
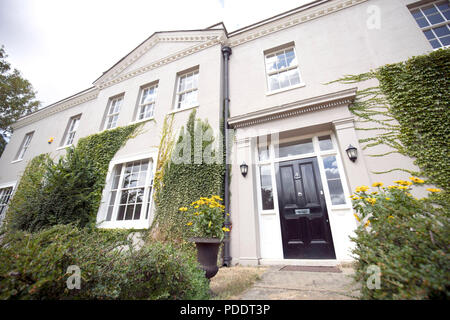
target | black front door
x=305, y=228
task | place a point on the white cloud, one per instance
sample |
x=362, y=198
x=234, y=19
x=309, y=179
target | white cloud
x=63, y=46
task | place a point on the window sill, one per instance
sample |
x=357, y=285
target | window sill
x=142, y=120
x=15, y=161
x=184, y=109
x=64, y=147
x=301, y=85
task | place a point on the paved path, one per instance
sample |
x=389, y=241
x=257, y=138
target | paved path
x=300, y=285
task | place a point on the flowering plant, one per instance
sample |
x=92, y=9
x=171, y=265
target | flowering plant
x=206, y=217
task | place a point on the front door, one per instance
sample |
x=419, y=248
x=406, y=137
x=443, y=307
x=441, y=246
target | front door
x=305, y=228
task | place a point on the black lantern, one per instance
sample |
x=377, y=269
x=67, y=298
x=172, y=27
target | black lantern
x=352, y=153
x=244, y=169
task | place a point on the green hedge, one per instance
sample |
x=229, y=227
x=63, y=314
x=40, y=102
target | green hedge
x=34, y=266
x=68, y=190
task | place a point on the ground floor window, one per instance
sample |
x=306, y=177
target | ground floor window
x=130, y=191
x=5, y=195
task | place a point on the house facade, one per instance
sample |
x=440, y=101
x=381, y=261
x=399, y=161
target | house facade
x=291, y=128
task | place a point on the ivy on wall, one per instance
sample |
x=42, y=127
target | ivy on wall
x=70, y=189
x=184, y=182
x=411, y=109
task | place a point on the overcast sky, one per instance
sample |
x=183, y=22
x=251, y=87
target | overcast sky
x=62, y=46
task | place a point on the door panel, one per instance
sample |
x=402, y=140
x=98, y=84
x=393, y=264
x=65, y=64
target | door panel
x=304, y=221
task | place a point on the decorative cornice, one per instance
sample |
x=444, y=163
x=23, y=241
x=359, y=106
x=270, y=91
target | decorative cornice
x=335, y=99
x=113, y=76
x=291, y=20
x=55, y=108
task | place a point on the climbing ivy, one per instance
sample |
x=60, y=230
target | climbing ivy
x=411, y=109
x=68, y=190
x=185, y=178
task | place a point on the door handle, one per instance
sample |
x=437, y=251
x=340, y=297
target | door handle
x=299, y=194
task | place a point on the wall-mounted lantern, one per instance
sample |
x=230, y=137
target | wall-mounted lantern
x=244, y=169
x=352, y=153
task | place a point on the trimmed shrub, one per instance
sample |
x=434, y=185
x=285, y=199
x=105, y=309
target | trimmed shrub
x=34, y=266
x=406, y=238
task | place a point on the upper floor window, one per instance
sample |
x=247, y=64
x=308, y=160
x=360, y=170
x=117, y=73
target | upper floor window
x=113, y=112
x=146, y=108
x=71, y=130
x=24, y=146
x=282, y=69
x=187, y=90
x=434, y=20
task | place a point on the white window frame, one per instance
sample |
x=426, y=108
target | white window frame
x=432, y=26
x=24, y=146
x=274, y=52
x=72, y=127
x=142, y=222
x=152, y=103
x=112, y=112
x=4, y=206
x=194, y=73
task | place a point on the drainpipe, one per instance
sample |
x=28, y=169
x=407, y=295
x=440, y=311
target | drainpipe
x=226, y=51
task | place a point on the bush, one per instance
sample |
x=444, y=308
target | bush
x=69, y=190
x=34, y=266
x=406, y=238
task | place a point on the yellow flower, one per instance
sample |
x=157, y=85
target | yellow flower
x=392, y=187
x=226, y=229
x=402, y=187
x=390, y=217
x=183, y=209
x=197, y=213
x=228, y=214
x=377, y=184
x=362, y=189
x=189, y=224
x=388, y=198
x=367, y=223
x=375, y=192
x=196, y=207
x=371, y=200
x=403, y=182
x=210, y=223
x=434, y=190
x=357, y=218
x=416, y=180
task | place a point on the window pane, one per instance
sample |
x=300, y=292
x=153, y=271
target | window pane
x=435, y=44
x=422, y=22
x=294, y=77
x=121, y=213
x=266, y=188
x=294, y=148
x=441, y=31
x=283, y=77
x=333, y=180
x=325, y=143
x=263, y=152
x=435, y=18
x=281, y=61
x=445, y=41
x=273, y=82
x=417, y=13
x=290, y=57
x=129, y=212
x=428, y=10
x=271, y=63
x=429, y=34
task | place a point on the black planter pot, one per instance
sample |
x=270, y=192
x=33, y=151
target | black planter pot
x=207, y=250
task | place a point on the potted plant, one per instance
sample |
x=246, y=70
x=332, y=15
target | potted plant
x=206, y=218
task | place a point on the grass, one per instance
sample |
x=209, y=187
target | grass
x=232, y=281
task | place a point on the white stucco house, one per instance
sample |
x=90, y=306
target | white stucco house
x=291, y=129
